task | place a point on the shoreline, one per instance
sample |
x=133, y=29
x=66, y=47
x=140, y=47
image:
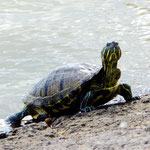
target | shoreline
x=118, y=126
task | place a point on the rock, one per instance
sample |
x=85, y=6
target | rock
x=50, y=135
x=48, y=143
x=123, y=124
x=62, y=138
x=40, y=127
x=102, y=147
x=10, y=138
x=146, y=142
x=3, y=135
x=147, y=129
x=146, y=99
x=30, y=135
x=83, y=124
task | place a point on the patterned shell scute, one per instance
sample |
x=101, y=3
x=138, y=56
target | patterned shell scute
x=59, y=83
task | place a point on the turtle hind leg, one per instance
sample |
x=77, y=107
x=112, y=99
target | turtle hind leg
x=15, y=119
x=50, y=120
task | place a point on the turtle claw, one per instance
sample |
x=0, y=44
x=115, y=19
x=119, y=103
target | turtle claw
x=135, y=98
x=87, y=109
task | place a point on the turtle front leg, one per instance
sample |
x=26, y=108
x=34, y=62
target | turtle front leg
x=85, y=103
x=125, y=91
x=15, y=119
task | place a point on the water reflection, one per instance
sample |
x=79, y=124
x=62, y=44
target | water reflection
x=143, y=19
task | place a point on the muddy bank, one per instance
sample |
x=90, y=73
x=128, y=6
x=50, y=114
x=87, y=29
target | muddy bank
x=122, y=126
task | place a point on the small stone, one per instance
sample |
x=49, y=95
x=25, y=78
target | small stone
x=123, y=124
x=30, y=135
x=52, y=135
x=74, y=124
x=19, y=137
x=123, y=145
x=73, y=130
x=6, y=147
x=34, y=131
x=62, y=138
x=42, y=139
x=146, y=99
x=73, y=118
x=97, y=146
x=138, y=132
x=48, y=143
x=83, y=124
x=3, y=135
x=10, y=138
x=146, y=142
x=147, y=129
x=79, y=114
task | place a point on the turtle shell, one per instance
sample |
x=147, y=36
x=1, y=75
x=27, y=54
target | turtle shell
x=59, y=83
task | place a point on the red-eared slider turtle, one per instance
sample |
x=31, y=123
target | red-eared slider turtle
x=73, y=88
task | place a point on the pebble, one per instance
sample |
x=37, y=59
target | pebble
x=74, y=124
x=146, y=142
x=83, y=124
x=79, y=114
x=42, y=139
x=39, y=127
x=147, y=129
x=48, y=143
x=30, y=135
x=19, y=137
x=73, y=130
x=49, y=135
x=100, y=146
x=3, y=135
x=123, y=124
x=62, y=138
x=10, y=138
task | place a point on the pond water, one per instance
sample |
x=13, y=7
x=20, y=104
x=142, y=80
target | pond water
x=37, y=36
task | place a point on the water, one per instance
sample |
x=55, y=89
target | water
x=4, y=128
x=37, y=36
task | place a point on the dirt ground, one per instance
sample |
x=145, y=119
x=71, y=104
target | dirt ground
x=113, y=127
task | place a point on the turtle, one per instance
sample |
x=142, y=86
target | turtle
x=74, y=88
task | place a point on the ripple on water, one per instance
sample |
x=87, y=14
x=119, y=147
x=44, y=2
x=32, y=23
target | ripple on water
x=4, y=127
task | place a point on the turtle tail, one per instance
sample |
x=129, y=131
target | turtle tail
x=15, y=119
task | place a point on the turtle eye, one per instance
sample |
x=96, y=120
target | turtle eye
x=108, y=44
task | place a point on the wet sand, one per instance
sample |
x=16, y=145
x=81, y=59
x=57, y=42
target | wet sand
x=121, y=126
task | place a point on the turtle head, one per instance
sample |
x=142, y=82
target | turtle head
x=111, y=53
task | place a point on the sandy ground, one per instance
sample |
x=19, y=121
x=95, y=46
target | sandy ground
x=113, y=127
